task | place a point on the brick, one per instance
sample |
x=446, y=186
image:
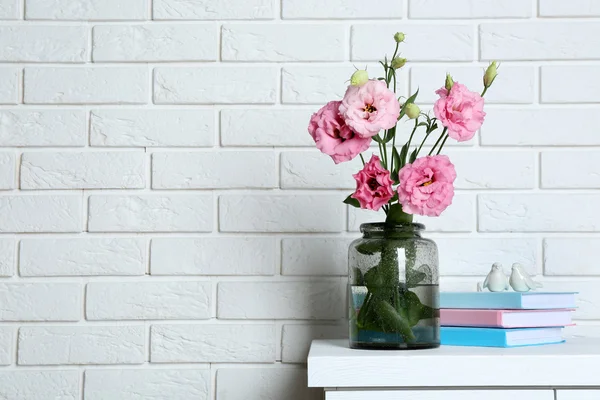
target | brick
x=540, y=127
x=9, y=85
x=474, y=256
x=8, y=172
x=276, y=383
x=315, y=256
x=40, y=301
x=50, y=384
x=211, y=10
x=281, y=300
x=55, y=345
x=538, y=41
x=424, y=42
x=459, y=217
x=86, y=85
x=538, y=213
x=40, y=213
x=6, y=347
x=212, y=343
x=9, y=9
x=265, y=127
x=148, y=300
x=319, y=85
x=151, y=213
x=42, y=127
x=292, y=213
x=570, y=169
x=254, y=42
x=477, y=169
x=209, y=85
x=440, y=9
x=570, y=256
x=68, y=44
x=514, y=85
x=340, y=9
x=581, y=331
x=92, y=10
x=570, y=84
x=7, y=257
x=296, y=339
x=82, y=257
x=214, y=170
x=173, y=384
x=574, y=8
x=83, y=170
x=152, y=127
x=213, y=256
x=162, y=42
x=306, y=170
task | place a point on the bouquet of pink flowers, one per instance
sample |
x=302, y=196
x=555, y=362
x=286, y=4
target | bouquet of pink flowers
x=401, y=181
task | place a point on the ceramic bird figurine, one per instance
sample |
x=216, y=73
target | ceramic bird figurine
x=521, y=281
x=496, y=281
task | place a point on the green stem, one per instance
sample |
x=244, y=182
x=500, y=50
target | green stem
x=362, y=159
x=438, y=141
x=484, y=90
x=393, y=146
x=442, y=145
x=422, y=143
x=395, y=51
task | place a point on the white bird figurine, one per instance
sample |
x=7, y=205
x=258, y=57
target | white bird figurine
x=496, y=281
x=521, y=281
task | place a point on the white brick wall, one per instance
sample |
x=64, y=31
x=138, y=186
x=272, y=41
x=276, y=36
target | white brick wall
x=165, y=215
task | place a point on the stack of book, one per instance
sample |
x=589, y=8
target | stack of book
x=504, y=319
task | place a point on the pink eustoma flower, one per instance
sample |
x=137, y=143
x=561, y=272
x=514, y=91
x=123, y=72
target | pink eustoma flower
x=427, y=185
x=333, y=137
x=460, y=110
x=369, y=108
x=373, y=185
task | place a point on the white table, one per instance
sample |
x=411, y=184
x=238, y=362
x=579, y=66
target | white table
x=568, y=371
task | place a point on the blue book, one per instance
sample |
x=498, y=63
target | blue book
x=497, y=337
x=508, y=300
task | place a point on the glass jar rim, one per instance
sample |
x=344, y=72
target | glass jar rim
x=382, y=227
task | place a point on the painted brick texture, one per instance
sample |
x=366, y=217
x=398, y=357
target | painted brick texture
x=167, y=227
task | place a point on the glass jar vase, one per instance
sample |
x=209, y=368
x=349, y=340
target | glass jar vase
x=393, y=288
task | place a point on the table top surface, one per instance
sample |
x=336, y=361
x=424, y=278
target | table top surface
x=331, y=363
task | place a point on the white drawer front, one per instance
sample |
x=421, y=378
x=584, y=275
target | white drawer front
x=446, y=395
x=578, y=394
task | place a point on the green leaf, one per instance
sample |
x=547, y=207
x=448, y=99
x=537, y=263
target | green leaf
x=368, y=248
x=392, y=318
x=413, y=278
x=397, y=216
x=377, y=139
x=352, y=202
x=389, y=135
x=403, y=154
x=412, y=98
x=413, y=156
x=358, y=277
x=432, y=128
x=410, y=307
x=397, y=160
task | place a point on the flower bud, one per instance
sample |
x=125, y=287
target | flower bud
x=399, y=37
x=412, y=110
x=359, y=77
x=490, y=74
x=398, y=62
x=449, y=82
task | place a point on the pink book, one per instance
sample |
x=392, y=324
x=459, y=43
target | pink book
x=505, y=318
